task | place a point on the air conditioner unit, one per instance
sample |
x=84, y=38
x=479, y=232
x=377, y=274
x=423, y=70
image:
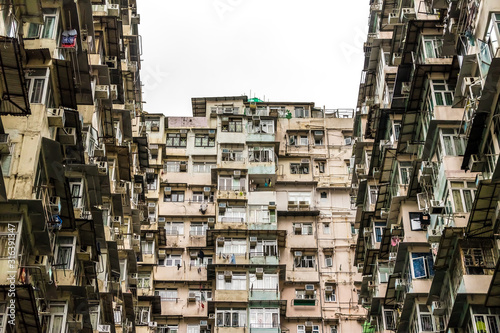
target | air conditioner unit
x=384, y=213
x=162, y=254
x=203, y=324
x=116, y=220
x=304, y=161
x=55, y=205
x=309, y=288
x=111, y=62
x=211, y=221
x=104, y=328
x=102, y=167
x=135, y=19
x=114, y=10
x=153, y=149
x=228, y=110
x=308, y=324
x=396, y=57
x=408, y=13
x=228, y=275
x=393, y=17
x=207, y=189
x=329, y=288
x=220, y=241
x=211, y=316
x=259, y=271
x=161, y=219
x=67, y=136
x=437, y=207
x=151, y=205
x=237, y=172
x=298, y=227
x=253, y=240
x=348, y=141
x=183, y=166
x=56, y=117
x=192, y=296
x=152, y=219
x=211, y=133
x=297, y=254
x=193, y=254
x=471, y=84
x=405, y=88
x=113, y=90
x=183, y=132
x=152, y=324
x=222, y=206
x=167, y=190
x=150, y=236
x=371, y=284
x=136, y=238
x=376, y=172
x=292, y=204
x=360, y=268
x=399, y=284
x=138, y=187
x=272, y=205
x=102, y=91
x=395, y=227
x=360, y=169
x=476, y=163
x=437, y=308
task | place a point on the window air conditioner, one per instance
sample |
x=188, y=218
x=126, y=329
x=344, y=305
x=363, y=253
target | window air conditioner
x=56, y=117
x=67, y=136
x=476, y=163
x=297, y=254
x=55, y=205
x=228, y=275
x=150, y=235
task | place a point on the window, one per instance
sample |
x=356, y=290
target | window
x=198, y=229
x=152, y=124
x=299, y=168
x=175, y=140
x=193, y=329
x=431, y=47
x=301, y=112
x=49, y=27
x=307, y=329
x=8, y=228
x=147, y=247
x=203, y=140
x=201, y=295
x=38, y=86
x=233, y=215
x=5, y=162
x=492, y=43
x=330, y=293
x=203, y=167
x=232, y=125
x=302, y=294
x=478, y=261
x=266, y=282
x=264, y=318
x=389, y=319
x=207, y=260
x=297, y=197
x=303, y=228
x=171, y=260
x=422, y=265
x=237, y=282
x=94, y=316
x=404, y=172
x=441, y=93
x=76, y=187
x=264, y=126
x=174, y=228
x=321, y=167
x=264, y=248
x=326, y=228
x=229, y=155
x=487, y=323
x=233, y=246
x=152, y=180
x=117, y=314
x=307, y=261
x=452, y=143
x=168, y=295
x=175, y=166
x=142, y=315
x=261, y=154
x=261, y=214
x=298, y=140
x=328, y=260
x=57, y=318
x=379, y=231
x=231, y=317
x=168, y=329
x=231, y=184
x=174, y=196
x=65, y=252
x=143, y=280
x=463, y=196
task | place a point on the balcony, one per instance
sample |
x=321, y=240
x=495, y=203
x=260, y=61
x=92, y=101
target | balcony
x=261, y=168
x=226, y=258
x=260, y=258
x=231, y=193
x=231, y=296
x=264, y=225
x=264, y=328
x=264, y=294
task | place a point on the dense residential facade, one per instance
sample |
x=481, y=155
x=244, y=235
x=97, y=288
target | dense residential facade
x=71, y=190
x=249, y=220
x=426, y=167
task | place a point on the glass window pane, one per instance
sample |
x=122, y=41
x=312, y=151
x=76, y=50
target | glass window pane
x=419, y=268
x=36, y=95
x=439, y=98
x=457, y=199
x=48, y=27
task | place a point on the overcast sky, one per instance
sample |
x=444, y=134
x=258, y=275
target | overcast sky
x=293, y=50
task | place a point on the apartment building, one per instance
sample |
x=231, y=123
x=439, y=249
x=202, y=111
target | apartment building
x=425, y=180
x=249, y=222
x=73, y=176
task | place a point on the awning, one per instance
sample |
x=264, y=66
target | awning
x=107, y=308
x=113, y=258
x=391, y=293
x=65, y=83
x=27, y=319
x=383, y=198
x=116, y=199
x=142, y=150
x=13, y=84
x=359, y=256
x=360, y=198
x=385, y=244
x=414, y=185
x=493, y=297
x=213, y=234
x=131, y=261
x=92, y=177
x=31, y=10
x=483, y=214
x=387, y=165
x=86, y=233
x=128, y=300
x=123, y=157
x=370, y=259
x=447, y=246
x=126, y=123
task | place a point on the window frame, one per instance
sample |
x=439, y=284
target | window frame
x=72, y=253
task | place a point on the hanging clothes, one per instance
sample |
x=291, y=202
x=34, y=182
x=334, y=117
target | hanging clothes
x=69, y=38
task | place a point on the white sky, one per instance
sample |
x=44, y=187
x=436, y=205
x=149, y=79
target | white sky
x=283, y=50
